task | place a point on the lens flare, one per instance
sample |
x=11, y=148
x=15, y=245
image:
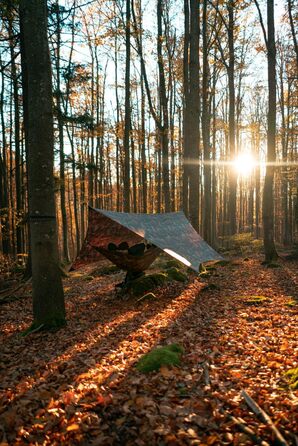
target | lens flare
x=244, y=164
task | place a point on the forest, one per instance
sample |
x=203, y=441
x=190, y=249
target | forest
x=148, y=222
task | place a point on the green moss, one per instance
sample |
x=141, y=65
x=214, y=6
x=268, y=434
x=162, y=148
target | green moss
x=255, y=300
x=147, y=283
x=87, y=278
x=175, y=274
x=292, y=378
x=292, y=303
x=222, y=262
x=172, y=264
x=242, y=243
x=205, y=274
x=168, y=355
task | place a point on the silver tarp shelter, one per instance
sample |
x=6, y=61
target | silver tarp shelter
x=169, y=232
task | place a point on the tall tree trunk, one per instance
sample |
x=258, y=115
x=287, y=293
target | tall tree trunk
x=61, y=140
x=17, y=166
x=186, y=155
x=126, y=179
x=293, y=30
x=191, y=113
x=194, y=115
x=47, y=290
x=164, y=129
x=4, y=215
x=268, y=202
x=232, y=151
x=206, y=132
x=143, y=148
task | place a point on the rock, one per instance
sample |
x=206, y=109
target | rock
x=175, y=274
x=146, y=284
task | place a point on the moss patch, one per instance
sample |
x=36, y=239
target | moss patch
x=205, y=274
x=172, y=264
x=292, y=378
x=175, y=274
x=87, y=278
x=169, y=355
x=146, y=284
x=222, y=263
x=292, y=303
x=255, y=300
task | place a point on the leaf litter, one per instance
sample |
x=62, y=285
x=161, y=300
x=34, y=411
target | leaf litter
x=80, y=386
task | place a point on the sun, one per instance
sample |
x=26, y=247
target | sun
x=244, y=164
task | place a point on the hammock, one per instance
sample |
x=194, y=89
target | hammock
x=109, y=232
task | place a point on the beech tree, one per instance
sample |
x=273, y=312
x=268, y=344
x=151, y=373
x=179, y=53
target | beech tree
x=268, y=203
x=47, y=290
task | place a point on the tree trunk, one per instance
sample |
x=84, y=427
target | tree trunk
x=206, y=132
x=268, y=201
x=164, y=128
x=194, y=113
x=232, y=153
x=4, y=215
x=126, y=179
x=61, y=141
x=47, y=290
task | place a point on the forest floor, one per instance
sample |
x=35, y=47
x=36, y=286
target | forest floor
x=79, y=386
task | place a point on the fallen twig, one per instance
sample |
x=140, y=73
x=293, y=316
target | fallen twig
x=242, y=427
x=6, y=294
x=264, y=418
x=206, y=373
x=31, y=330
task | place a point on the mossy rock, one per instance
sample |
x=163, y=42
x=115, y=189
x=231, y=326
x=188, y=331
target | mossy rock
x=172, y=264
x=292, y=378
x=169, y=355
x=175, y=274
x=146, y=284
x=256, y=300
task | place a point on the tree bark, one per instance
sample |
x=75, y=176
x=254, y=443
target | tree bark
x=231, y=82
x=126, y=179
x=61, y=140
x=206, y=132
x=268, y=200
x=47, y=290
x=164, y=129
